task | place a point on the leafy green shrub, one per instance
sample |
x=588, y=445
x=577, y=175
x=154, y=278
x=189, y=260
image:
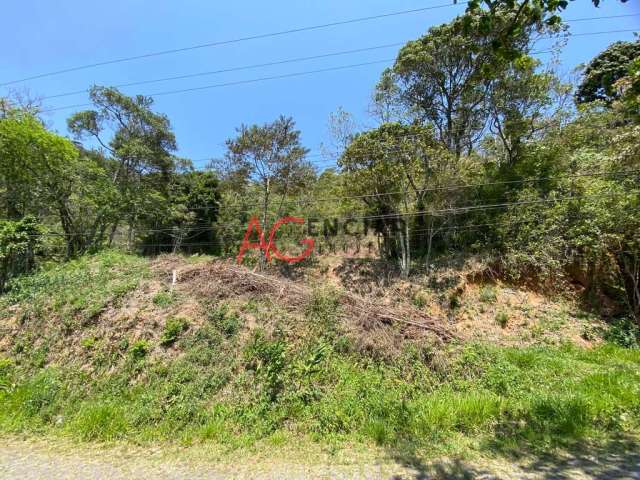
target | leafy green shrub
x=139, y=349
x=502, y=319
x=226, y=321
x=625, y=333
x=172, y=330
x=19, y=241
x=488, y=294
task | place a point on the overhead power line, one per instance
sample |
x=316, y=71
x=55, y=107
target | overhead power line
x=290, y=60
x=236, y=69
x=241, y=82
x=454, y=210
x=288, y=75
x=235, y=40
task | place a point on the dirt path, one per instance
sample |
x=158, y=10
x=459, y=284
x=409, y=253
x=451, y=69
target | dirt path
x=30, y=461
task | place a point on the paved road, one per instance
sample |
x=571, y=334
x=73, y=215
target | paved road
x=28, y=461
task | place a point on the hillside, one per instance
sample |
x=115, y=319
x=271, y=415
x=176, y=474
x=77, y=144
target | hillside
x=107, y=348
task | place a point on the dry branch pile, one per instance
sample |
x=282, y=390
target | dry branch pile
x=224, y=279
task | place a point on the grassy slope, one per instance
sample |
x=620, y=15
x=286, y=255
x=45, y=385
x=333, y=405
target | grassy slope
x=70, y=366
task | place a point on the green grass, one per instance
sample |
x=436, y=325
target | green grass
x=544, y=396
x=77, y=291
x=300, y=376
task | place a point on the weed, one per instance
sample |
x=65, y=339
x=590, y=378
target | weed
x=420, y=299
x=139, y=350
x=226, y=321
x=89, y=342
x=502, y=319
x=163, y=299
x=172, y=330
x=267, y=358
x=488, y=294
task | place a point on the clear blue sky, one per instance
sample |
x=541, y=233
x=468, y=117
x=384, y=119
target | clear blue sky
x=39, y=36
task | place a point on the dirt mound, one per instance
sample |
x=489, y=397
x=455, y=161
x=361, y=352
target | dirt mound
x=222, y=279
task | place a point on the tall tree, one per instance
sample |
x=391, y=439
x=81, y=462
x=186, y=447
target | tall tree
x=605, y=70
x=445, y=78
x=272, y=156
x=394, y=168
x=141, y=147
x=42, y=172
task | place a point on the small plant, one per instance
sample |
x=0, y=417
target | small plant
x=420, y=299
x=172, y=330
x=323, y=311
x=226, y=321
x=502, y=319
x=89, y=343
x=163, y=299
x=139, y=349
x=123, y=345
x=267, y=358
x=488, y=294
x=6, y=367
x=455, y=301
x=625, y=333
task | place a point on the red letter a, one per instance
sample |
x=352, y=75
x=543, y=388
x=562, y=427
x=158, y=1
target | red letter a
x=254, y=223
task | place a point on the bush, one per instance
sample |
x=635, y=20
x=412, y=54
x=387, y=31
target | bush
x=625, y=333
x=172, y=330
x=502, y=319
x=18, y=243
x=139, y=350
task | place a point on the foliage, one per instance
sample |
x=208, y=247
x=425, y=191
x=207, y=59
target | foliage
x=605, y=70
x=173, y=329
x=19, y=241
x=521, y=14
x=187, y=222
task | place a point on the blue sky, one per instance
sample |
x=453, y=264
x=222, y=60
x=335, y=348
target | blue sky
x=39, y=36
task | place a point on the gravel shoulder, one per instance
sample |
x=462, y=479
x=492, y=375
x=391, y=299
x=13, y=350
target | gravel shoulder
x=36, y=460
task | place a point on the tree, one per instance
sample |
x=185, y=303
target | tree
x=605, y=70
x=141, y=149
x=393, y=168
x=272, y=156
x=445, y=78
x=42, y=172
x=524, y=103
x=523, y=14
x=193, y=207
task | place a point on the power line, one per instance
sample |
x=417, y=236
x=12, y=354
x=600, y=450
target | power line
x=286, y=61
x=240, y=82
x=236, y=40
x=235, y=69
x=463, y=209
x=449, y=188
x=288, y=75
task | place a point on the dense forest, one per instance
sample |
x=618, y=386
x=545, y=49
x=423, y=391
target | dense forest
x=479, y=149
